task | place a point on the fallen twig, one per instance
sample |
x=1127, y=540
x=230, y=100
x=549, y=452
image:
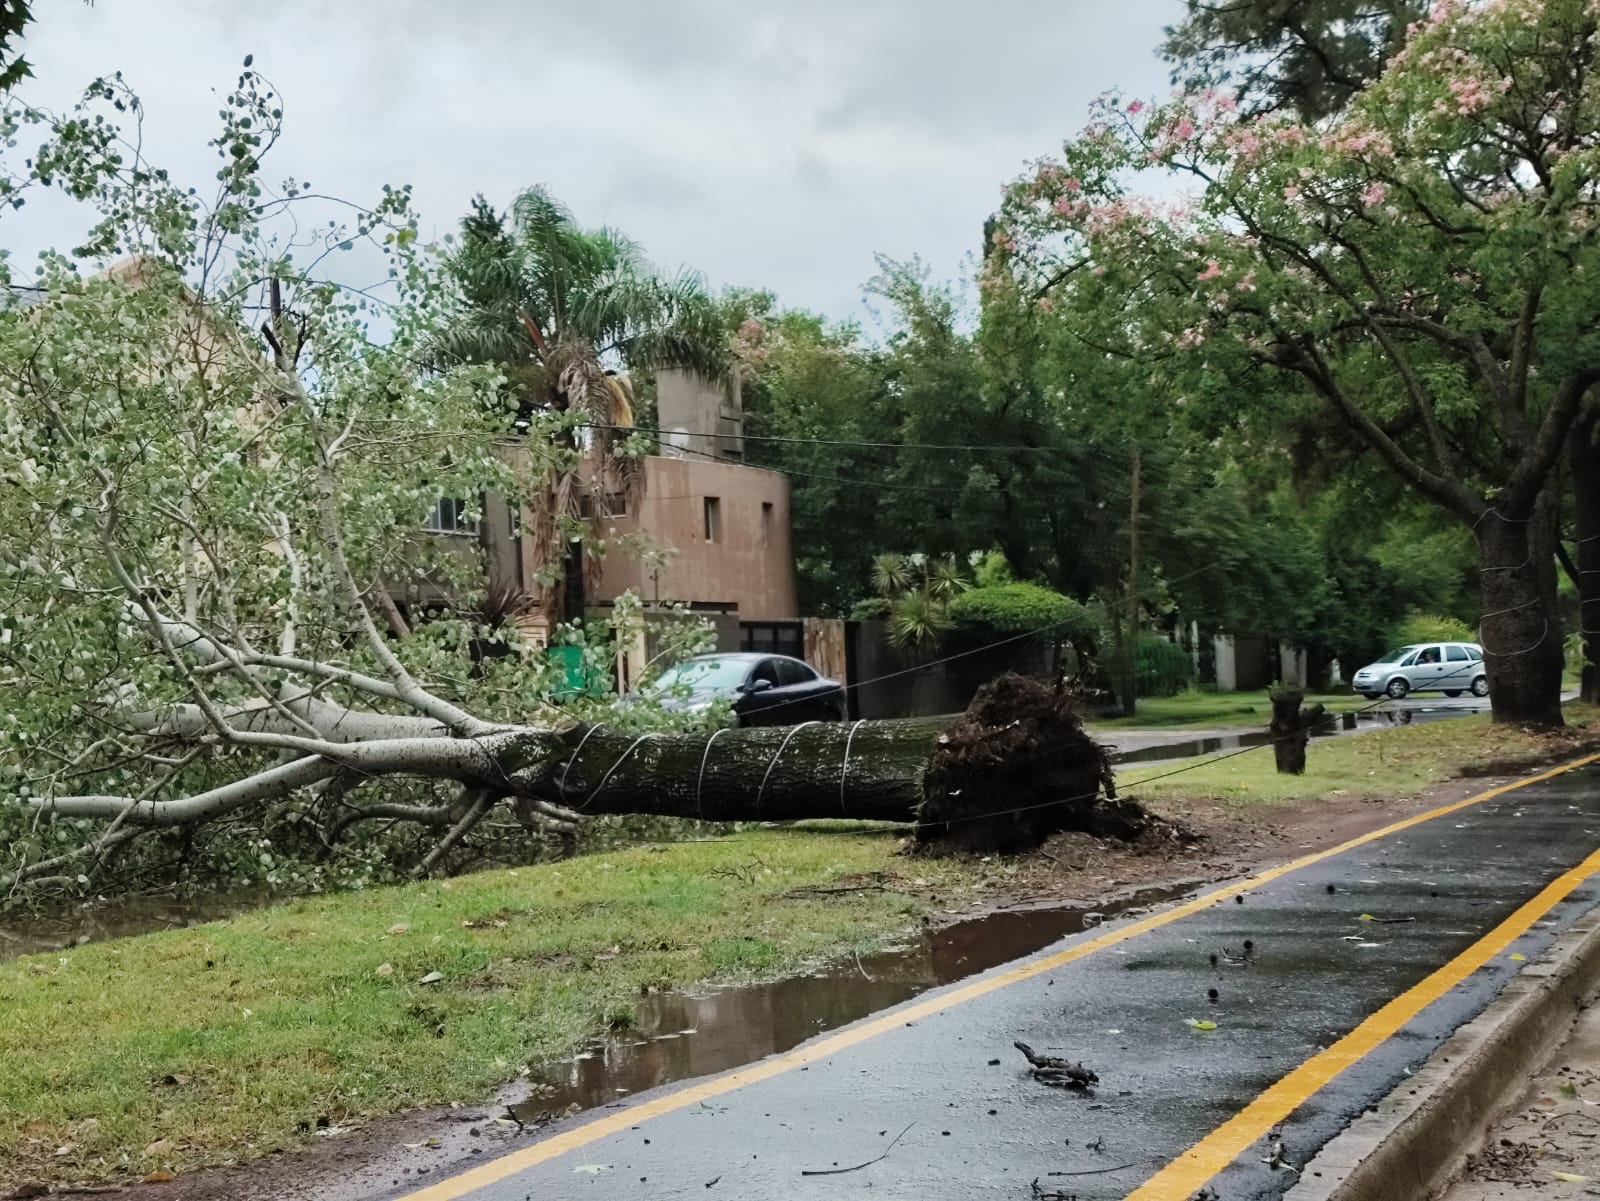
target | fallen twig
x=1121, y=1167
x=859, y=1166
x=1040, y=1194
x=819, y=890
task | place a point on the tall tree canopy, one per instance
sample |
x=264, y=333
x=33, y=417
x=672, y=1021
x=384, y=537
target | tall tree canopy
x=1423, y=268
x=1308, y=57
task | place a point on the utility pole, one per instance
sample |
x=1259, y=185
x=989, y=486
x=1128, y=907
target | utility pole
x=1131, y=642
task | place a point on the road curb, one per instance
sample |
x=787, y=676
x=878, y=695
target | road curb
x=1415, y=1141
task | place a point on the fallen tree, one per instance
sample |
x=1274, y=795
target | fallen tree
x=213, y=477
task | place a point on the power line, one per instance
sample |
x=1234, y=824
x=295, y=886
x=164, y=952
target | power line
x=812, y=475
x=848, y=442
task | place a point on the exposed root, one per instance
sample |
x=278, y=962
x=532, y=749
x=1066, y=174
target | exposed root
x=1018, y=767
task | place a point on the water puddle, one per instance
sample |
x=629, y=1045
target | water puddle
x=677, y=1036
x=27, y=934
x=1341, y=723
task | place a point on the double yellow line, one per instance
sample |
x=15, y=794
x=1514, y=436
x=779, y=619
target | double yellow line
x=1180, y=1179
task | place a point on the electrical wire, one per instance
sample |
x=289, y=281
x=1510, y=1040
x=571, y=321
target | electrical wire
x=785, y=439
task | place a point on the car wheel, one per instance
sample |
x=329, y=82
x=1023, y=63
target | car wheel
x=1372, y=696
x=1397, y=689
x=1452, y=693
x=1480, y=686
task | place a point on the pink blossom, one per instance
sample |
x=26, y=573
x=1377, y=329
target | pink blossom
x=1374, y=194
x=1072, y=183
x=1248, y=283
x=1046, y=305
x=1290, y=192
x=1184, y=130
x=1190, y=338
x=1213, y=269
x=1469, y=95
x=1135, y=107
x=1227, y=103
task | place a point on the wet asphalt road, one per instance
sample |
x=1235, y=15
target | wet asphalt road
x=979, y=1129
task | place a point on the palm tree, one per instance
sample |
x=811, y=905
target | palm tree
x=562, y=309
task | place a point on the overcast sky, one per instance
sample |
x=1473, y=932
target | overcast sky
x=776, y=144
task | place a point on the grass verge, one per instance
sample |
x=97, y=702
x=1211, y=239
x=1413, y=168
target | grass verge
x=1398, y=762
x=1196, y=710
x=190, y=1047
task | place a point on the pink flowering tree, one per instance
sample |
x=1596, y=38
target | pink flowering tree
x=1424, y=267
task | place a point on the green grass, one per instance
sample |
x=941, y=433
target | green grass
x=316, y=1008
x=1198, y=710
x=1397, y=762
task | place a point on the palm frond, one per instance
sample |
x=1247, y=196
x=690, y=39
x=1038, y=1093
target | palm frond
x=917, y=619
x=891, y=574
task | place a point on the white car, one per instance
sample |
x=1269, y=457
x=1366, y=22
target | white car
x=1448, y=667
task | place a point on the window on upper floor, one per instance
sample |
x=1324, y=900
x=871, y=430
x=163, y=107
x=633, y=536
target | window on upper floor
x=451, y=516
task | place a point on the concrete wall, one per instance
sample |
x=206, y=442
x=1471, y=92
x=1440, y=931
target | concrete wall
x=746, y=566
x=1246, y=663
x=689, y=409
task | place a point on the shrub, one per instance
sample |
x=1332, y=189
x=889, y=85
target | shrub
x=1021, y=608
x=1429, y=627
x=1160, y=667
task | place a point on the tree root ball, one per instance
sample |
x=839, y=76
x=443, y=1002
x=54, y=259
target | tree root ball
x=1018, y=767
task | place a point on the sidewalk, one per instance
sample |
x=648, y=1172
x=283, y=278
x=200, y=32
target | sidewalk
x=1553, y=1133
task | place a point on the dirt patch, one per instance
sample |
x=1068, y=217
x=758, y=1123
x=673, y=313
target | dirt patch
x=1548, y=1148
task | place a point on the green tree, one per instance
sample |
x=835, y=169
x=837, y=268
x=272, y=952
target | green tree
x=557, y=306
x=1309, y=57
x=1422, y=268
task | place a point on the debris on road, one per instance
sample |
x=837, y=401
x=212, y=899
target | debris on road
x=1057, y=1072
x=856, y=1167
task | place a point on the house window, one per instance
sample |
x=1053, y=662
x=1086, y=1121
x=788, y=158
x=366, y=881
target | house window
x=451, y=516
x=713, y=518
x=766, y=522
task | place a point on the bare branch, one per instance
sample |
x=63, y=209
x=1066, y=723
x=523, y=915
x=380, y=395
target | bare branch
x=481, y=802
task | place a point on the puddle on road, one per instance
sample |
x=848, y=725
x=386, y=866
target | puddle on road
x=1342, y=723
x=677, y=1036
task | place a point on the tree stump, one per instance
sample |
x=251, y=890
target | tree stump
x=1291, y=730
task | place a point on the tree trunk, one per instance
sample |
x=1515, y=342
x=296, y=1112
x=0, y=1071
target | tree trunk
x=867, y=770
x=1018, y=767
x=1584, y=452
x=1291, y=729
x=574, y=600
x=1520, y=628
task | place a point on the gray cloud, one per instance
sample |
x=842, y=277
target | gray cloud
x=777, y=145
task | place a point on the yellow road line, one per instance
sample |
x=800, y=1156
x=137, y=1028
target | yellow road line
x=1187, y=1174
x=612, y=1123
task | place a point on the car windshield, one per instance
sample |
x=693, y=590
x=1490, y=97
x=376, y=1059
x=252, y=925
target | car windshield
x=705, y=675
x=1396, y=656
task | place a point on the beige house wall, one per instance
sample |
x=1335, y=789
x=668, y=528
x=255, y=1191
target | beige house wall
x=746, y=563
